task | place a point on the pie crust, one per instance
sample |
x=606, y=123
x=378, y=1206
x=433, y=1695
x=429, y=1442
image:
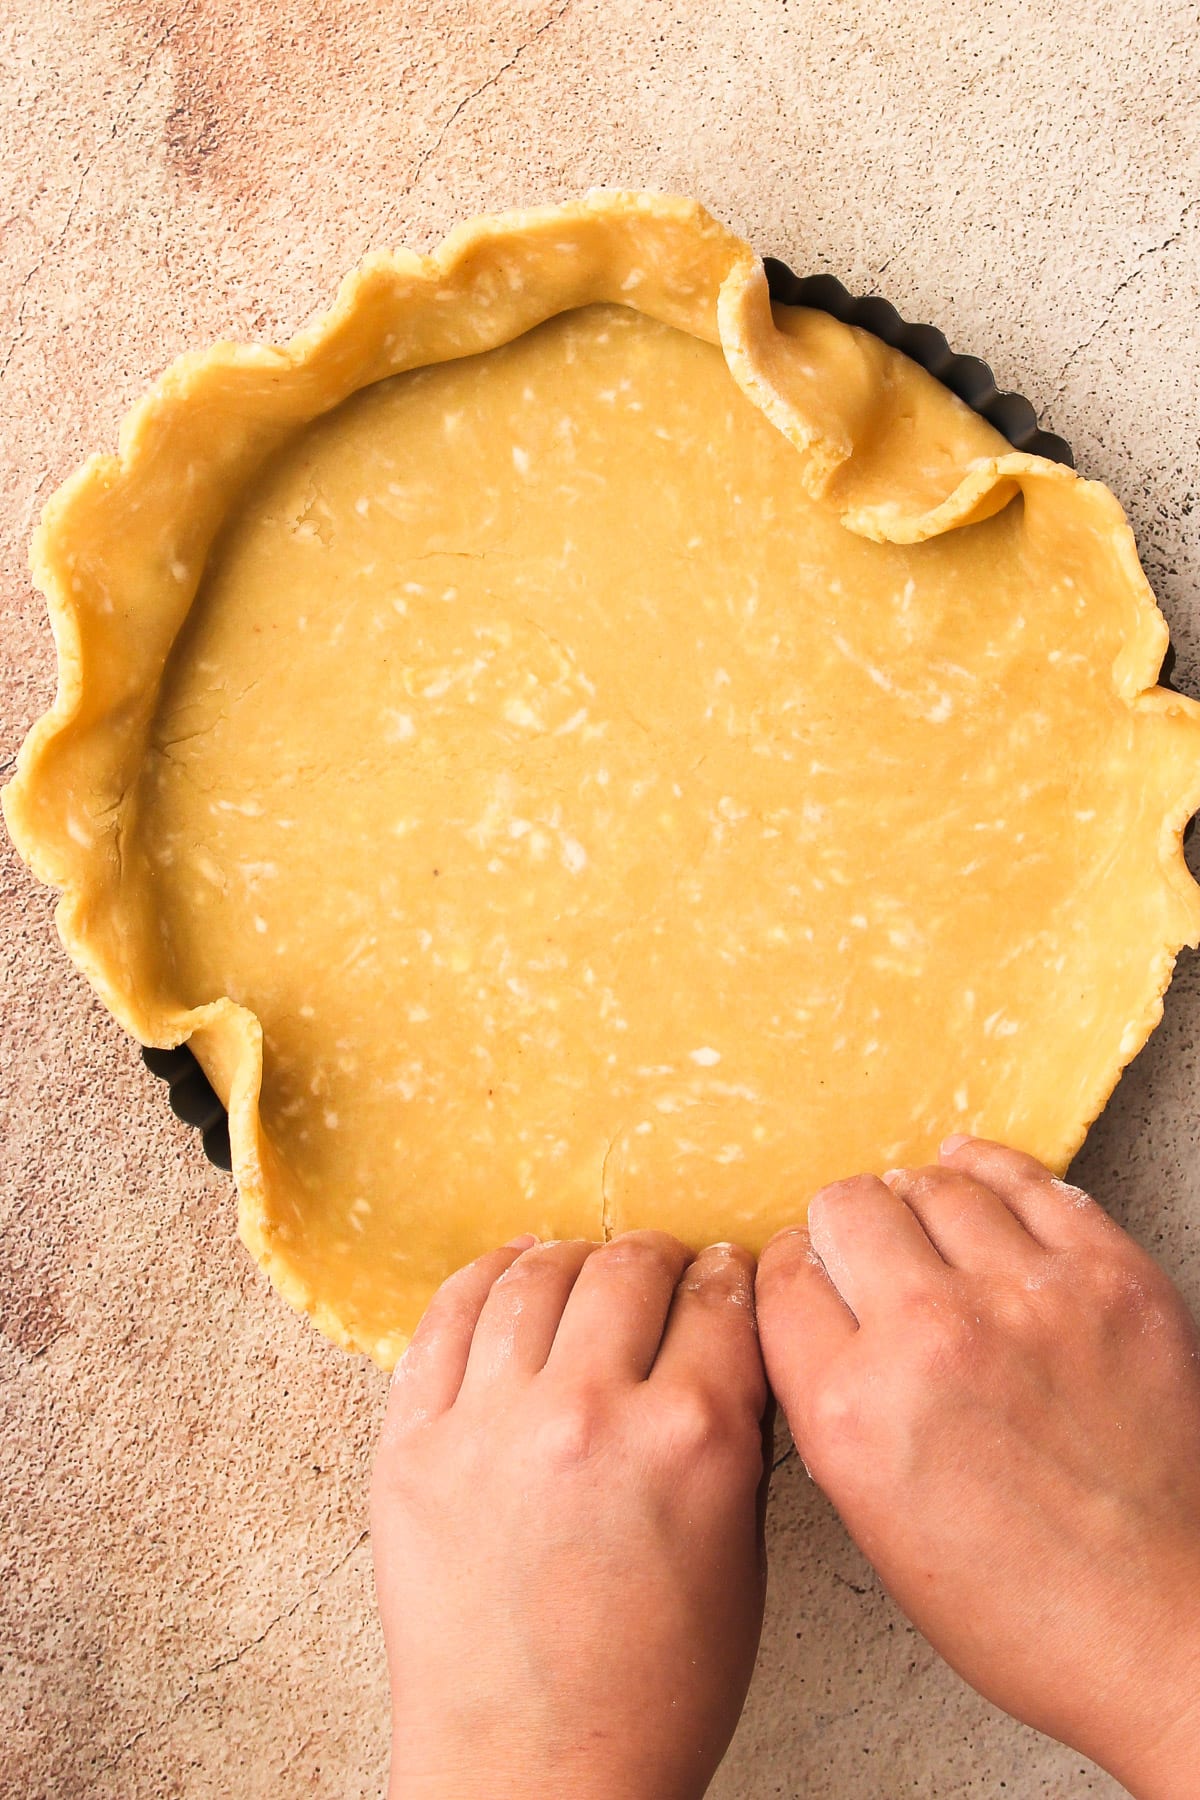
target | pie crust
x=574, y=747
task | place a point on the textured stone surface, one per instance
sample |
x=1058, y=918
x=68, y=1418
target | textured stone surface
x=185, y=1603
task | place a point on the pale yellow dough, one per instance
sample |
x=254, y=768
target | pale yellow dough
x=575, y=750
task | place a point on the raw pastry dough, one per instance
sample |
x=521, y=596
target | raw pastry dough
x=574, y=748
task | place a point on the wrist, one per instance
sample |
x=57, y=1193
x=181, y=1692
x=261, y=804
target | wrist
x=523, y=1782
x=1155, y=1753
x=1164, y=1763
x=505, y=1772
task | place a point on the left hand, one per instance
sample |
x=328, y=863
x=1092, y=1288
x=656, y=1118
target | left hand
x=567, y=1522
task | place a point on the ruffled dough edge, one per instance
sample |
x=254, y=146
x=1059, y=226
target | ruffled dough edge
x=120, y=550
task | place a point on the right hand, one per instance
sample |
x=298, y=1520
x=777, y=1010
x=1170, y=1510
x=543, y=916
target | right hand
x=1000, y=1392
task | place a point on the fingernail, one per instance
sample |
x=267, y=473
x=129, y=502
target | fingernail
x=790, y=1234
x=525, y=1242
x=954, y=1142
x=890, y=1175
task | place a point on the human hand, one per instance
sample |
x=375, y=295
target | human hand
x=567, y=1523
x=1000, y=1392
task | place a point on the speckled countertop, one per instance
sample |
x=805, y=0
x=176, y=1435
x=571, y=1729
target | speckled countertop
x=185, y=1599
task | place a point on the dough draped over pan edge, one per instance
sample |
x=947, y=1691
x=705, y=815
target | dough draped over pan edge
x=122, y=547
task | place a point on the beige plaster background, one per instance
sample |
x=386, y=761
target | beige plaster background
x=185, y=1601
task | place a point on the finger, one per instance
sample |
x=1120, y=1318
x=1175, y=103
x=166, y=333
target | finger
x=968, y=1224
x=613, y=1323
x=1058, y=1215
x=429, y=1374
x=803, y=1322
x=521, y=1314
x=872, y=1244
x=711, y=1339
